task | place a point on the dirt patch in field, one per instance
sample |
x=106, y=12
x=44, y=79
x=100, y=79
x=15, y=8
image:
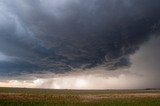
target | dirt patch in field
x=129, y=95
x=88, y=98
x=18, y=96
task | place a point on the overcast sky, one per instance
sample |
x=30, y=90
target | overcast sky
x=78, y=43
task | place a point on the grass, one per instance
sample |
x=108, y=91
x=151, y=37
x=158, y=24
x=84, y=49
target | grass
x=44, y=97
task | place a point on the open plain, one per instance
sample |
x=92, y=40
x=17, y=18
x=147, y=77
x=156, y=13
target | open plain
x=48, y=97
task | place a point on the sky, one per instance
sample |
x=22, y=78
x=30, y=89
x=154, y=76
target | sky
x=80, y=44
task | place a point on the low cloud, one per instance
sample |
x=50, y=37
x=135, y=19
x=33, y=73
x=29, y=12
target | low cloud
x=143, y=73
x=59, y=36
x=79, y=43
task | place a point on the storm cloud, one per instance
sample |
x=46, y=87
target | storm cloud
x=38, y=36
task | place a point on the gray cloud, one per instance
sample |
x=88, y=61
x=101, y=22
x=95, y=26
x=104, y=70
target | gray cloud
x=59, y=36
x=143, y=73
x=146, y=63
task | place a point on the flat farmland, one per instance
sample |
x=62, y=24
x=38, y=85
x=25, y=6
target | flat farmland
x=48, y=97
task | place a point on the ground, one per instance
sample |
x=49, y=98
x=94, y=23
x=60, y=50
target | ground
x=48, y=97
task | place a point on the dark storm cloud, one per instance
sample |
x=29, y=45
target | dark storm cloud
x=59, y=35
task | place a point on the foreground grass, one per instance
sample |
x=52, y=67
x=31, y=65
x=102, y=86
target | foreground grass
x=42, y=97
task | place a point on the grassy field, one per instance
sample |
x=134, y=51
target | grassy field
x=44, y=97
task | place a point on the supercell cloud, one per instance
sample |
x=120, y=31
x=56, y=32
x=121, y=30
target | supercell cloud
x=74, y=36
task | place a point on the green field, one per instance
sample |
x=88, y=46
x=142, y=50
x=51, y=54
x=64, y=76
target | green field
x=46, y=97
